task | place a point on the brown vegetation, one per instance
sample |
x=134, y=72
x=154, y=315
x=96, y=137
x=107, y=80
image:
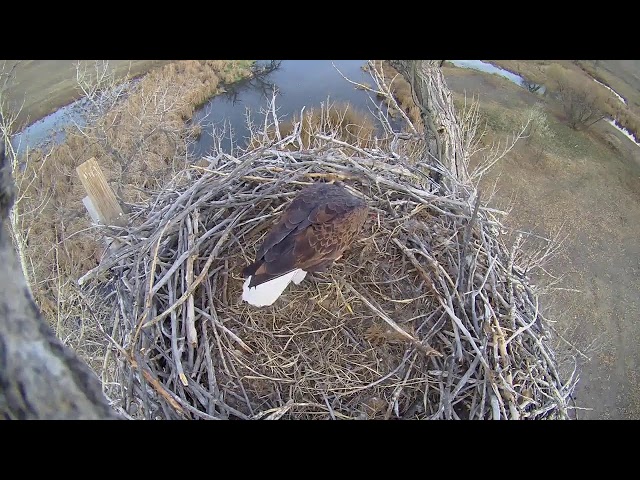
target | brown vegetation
x=43, y=86
x=626, y=86
x=356, y=345
x=532, y=70
x=40, y=378
x=628, y=119
x=343, y=120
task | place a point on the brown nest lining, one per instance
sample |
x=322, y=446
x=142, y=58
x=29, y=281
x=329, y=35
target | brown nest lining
x=428, y=315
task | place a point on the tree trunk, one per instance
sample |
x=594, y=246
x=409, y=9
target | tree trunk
x=40, y=378
x=433, y=97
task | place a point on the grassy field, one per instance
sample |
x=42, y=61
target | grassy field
x=587, y=185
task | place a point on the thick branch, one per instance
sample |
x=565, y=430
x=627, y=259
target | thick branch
x=433, y=97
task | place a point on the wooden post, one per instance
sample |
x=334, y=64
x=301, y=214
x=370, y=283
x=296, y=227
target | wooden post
x=101, y=198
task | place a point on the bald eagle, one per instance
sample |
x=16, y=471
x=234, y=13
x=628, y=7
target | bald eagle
x=313, y=231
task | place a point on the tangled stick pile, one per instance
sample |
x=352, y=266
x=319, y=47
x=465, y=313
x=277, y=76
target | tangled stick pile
x=429, y=315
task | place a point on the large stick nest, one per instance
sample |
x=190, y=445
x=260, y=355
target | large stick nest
x=428, y=315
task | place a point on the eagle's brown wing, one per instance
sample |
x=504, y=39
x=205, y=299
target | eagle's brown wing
x=313, y=231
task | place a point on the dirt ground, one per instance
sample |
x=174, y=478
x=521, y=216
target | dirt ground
x=593, y=193
x=46, y=85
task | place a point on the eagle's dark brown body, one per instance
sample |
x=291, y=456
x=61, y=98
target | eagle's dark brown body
x=313, y=231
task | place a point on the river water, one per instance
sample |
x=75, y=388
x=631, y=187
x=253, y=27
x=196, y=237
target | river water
x=298, y=83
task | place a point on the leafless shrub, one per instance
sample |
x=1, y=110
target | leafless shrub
x=582, y=100
x=539, y=133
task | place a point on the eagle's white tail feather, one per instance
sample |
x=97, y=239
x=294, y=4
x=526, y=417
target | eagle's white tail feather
x=267, y=293
x=299, y=276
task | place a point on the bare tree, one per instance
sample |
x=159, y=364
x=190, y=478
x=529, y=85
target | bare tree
x=581, y=99
x=442, y=131
x=259, y=81
x=40, y=378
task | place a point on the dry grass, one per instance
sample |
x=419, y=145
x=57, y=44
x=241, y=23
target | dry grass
x=351, y=125
x=628, y=119
x=346, y=122
x=428, y=315
x=139, y=138
x=563, y=189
